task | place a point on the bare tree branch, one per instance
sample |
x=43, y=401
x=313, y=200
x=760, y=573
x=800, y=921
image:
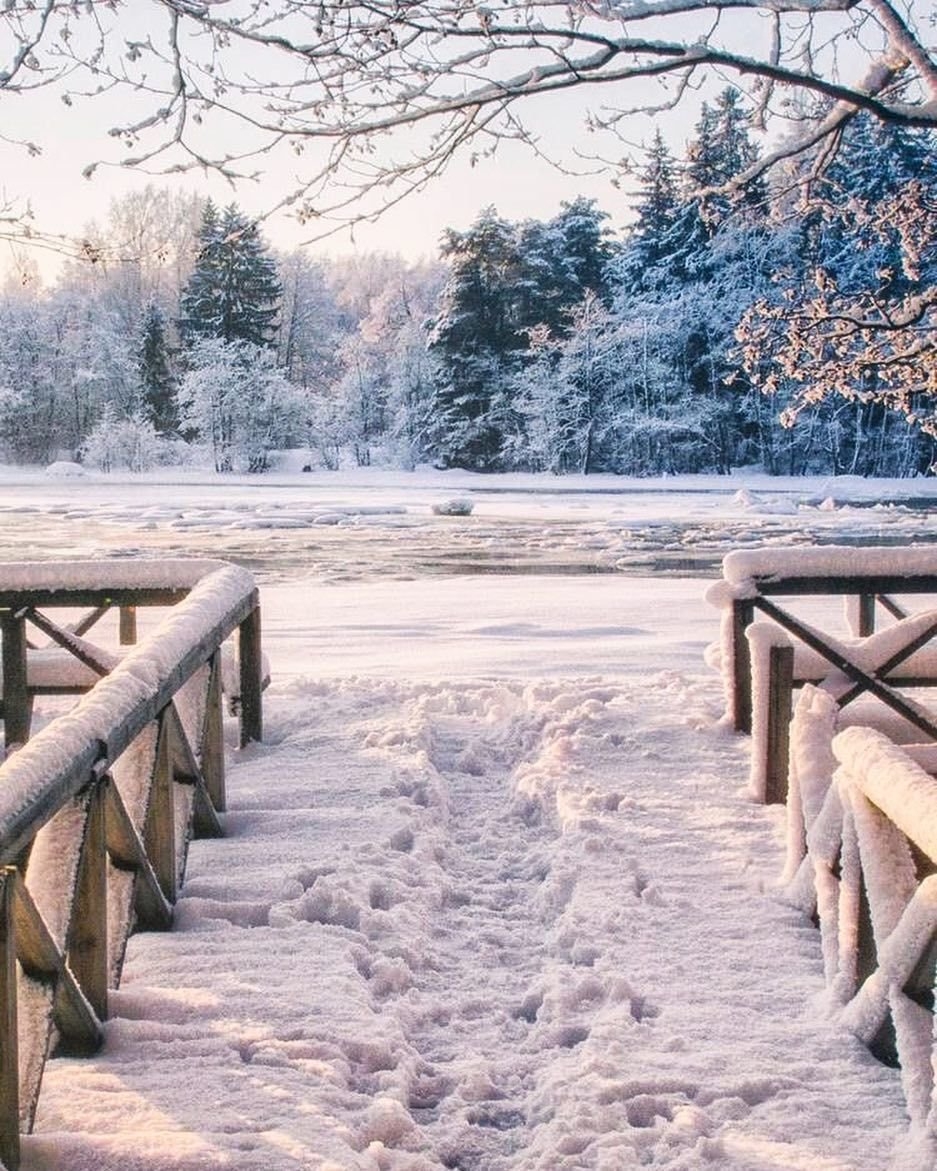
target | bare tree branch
x=376, y=96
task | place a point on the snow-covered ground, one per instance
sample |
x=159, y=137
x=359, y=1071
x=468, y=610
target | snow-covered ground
x=493, y=896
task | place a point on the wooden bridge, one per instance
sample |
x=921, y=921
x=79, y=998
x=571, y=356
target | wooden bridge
x=97, y=808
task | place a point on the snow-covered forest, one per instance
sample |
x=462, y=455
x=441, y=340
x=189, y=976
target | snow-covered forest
x=696, y=328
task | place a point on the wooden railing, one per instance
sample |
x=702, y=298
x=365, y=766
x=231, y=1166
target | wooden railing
x=90, y=807
x=862, y=860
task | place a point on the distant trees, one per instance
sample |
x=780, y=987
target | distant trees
x=233, y=292
x=729, y=325
x=504, y=281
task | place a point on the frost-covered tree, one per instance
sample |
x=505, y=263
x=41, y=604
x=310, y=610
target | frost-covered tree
x=132, y=443
x=312, y=326
x=567, y=394
x=157, y=378
x=235, y=400
x=234, y=292
x=845, y=343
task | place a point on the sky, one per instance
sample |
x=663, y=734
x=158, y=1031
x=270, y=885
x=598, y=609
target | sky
x=515, y=180
x=494, y=893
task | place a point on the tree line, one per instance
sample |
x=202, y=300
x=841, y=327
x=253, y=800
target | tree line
x=787, y=324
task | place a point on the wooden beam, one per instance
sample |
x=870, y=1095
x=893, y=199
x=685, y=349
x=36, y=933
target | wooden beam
x=77, y=1023
x=87, y=933
x=251, y=668
x=866, y=615
x=743, y=614
x=777, y=739
x=9, y=1028
x=128, y=625
x=159, y=835
x=212, y=746
x=17, y=704
x=127, y=852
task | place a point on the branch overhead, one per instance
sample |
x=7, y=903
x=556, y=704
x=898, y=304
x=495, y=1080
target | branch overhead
x=373, y=98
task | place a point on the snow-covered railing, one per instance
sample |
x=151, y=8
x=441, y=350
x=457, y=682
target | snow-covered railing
x=867, y=578
x=97, y=808
x=902, y=655
x=863, y=859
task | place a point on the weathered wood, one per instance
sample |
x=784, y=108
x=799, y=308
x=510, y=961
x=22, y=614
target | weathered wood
x=251, y=670
x=211, y=749
x=866, y=615
x=92, y=618
x=100, y=661
x=87, y=937
x=127, y=852
x=205, y=823
x=77, y=1023
x=912, y=712
x=128, y=625
x=892, y=607
x=743, y=614
x=67, y=982
x=9, y=1029
x=159, y=835
x=777, y=739
x=17, y=704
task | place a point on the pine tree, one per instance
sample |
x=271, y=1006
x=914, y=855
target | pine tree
x=477, y=340
x=234, y=292
x=155, y=368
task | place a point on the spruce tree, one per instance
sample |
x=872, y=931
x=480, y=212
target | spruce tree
x=155, y=366
x=234, y=292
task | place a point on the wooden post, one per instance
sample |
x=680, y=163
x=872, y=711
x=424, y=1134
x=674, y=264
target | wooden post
x=743, y=614
x=160, y=834
x=778, y=732
x=87, y=937
x=866, y=615
x=251, y=667
x=9, y=1029
x=128, y=625
x=17, y=705
x=212, y=748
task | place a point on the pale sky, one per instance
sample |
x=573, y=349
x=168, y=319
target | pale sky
x=516, y=181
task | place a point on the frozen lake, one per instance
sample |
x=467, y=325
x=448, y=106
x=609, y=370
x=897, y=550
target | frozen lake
x=367, y=525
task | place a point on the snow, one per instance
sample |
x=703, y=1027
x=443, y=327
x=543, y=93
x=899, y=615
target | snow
x=494, y=895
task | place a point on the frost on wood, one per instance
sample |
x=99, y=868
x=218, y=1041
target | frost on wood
x=743, y=566
x=133, y=684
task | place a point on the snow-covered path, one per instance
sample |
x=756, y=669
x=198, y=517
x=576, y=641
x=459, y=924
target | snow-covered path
x=500, y=904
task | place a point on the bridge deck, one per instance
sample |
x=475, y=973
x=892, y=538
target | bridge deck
x=500, y=903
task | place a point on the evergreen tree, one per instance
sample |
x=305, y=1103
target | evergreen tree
x=156, y=370
x=656, y=211
x=234, y=292
x=477, y=339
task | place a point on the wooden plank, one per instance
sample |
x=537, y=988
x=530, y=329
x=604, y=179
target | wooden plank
x=212, y=746
x=159, y=835
x=251, y=669
x=743, y=614
x=205, y=823
x=78, y=1025
x=127, y=852
x=866, y=615
x=912, y=712
x=128, y=625
x=17, y=704
x=92, y=618
x=87, y=933
x=9, y=1029
x=887, y=668
x=777, y=740
x=97, y=659
x=878, y=583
